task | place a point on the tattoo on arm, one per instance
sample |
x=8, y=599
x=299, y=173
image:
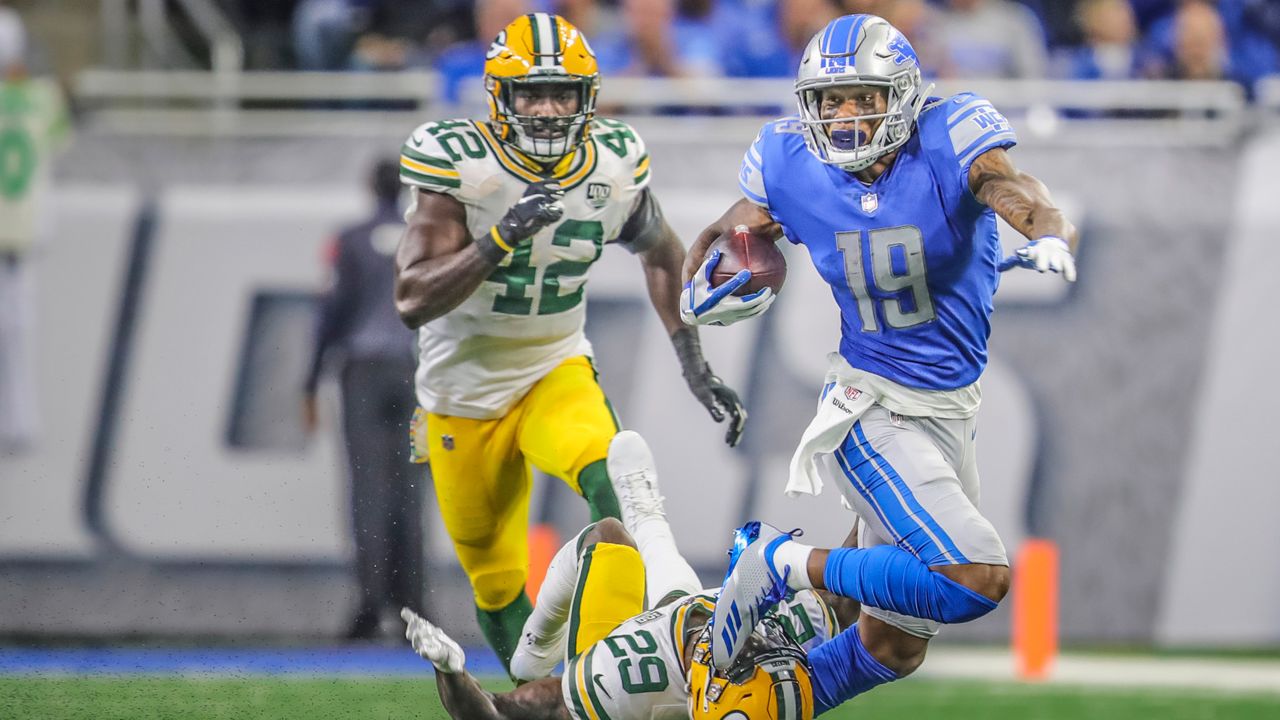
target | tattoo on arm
x=1020, y=199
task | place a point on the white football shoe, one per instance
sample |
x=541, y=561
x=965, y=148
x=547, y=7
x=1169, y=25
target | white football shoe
x=634, y=478
x=751, y=588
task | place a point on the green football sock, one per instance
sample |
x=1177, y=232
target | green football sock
x=502, y=628
x=596, y=488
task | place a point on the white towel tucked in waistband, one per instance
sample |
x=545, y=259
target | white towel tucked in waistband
x=848, y=394
x=840, y=407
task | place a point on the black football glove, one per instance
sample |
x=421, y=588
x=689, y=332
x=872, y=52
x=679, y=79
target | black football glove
x=540, y=206
x=719, y=399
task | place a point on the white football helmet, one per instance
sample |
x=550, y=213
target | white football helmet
x=859, y=50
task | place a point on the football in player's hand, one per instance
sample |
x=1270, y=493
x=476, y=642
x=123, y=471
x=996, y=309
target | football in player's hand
x=743, y=249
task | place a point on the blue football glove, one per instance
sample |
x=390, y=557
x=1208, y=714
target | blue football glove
x=1045, y=254
x=702, y=304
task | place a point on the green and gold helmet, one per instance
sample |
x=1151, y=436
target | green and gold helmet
x=541, y=48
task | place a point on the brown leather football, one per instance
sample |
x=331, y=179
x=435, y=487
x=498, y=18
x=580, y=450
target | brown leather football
x=743, y=249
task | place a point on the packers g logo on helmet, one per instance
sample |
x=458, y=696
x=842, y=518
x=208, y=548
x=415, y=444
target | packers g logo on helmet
x=535, y=49
x=769, y=680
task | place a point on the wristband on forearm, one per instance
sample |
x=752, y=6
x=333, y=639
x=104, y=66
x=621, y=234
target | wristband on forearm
x=689, y=352
x=493, y=246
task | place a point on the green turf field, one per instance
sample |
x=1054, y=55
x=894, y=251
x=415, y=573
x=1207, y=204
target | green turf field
x=312, y=699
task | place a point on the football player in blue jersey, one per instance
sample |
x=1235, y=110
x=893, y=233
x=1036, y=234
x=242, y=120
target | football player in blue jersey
x=895, y=195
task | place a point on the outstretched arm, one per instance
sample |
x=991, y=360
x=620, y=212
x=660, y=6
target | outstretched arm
x=461, y=694
x=661, y=253
x=1024, y=203
x=464, y=699
x=661, y=257
x=1019, y=198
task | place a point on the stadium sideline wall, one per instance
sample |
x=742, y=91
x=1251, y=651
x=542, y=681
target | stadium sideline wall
x=1106, y=421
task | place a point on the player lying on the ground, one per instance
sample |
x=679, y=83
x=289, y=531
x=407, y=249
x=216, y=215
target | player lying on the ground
x=625, y=663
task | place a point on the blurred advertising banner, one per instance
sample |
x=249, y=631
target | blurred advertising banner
x=1122, y=417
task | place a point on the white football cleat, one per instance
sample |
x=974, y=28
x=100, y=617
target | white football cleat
x=432, y=644
x=752, y=587
x=634, y=478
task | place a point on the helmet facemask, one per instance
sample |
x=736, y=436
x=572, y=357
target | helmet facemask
x=543, y=50
x=859, y=51
x=852, y=150
x=542, y=137
x=769, y=678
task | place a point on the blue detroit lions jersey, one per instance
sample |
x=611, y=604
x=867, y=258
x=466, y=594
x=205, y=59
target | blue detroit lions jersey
x=911, y=258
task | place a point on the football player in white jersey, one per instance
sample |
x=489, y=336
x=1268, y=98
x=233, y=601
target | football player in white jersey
x=623, y=662
x=508, y=216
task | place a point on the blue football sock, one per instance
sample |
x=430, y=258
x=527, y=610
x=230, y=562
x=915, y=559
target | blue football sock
x=842, y=668
x=890, y=578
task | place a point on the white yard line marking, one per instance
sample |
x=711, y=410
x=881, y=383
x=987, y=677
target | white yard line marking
x=1187, y=673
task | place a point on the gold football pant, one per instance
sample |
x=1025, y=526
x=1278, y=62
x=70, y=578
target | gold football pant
x=610, y=590
x=481, y=470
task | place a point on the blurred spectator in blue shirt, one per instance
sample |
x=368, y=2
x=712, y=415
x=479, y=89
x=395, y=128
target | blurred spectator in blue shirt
x=586, y=15
x=324, y=32
x=1251, y=50
x=916, y=19
x=764, y=38
x=991, y=39
x=1109, y=51
x=465, y=60
x=1190, y=44
x=666, y=38
x=1263, y=17
x=1146, y=12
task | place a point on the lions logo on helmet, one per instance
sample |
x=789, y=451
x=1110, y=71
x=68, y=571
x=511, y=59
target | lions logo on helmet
x=769, y=680
x=534, y=49
x=859, y=50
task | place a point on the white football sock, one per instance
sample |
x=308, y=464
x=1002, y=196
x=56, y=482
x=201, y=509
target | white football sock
x=665, y=569
x=794, y=557
x=542, y=643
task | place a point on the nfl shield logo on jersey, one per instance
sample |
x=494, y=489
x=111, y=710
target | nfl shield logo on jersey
x=598, y=194
x=852, y=393
x=870, y=203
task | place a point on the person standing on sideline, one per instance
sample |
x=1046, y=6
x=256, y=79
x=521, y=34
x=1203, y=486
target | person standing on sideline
x=358, y=317
x=33, y=126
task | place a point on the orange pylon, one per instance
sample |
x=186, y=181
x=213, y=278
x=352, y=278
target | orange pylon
x=544, y=541
x=1035, y=608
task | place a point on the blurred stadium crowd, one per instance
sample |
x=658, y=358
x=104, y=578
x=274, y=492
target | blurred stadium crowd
x=1071, y=39
x=1236, y=40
